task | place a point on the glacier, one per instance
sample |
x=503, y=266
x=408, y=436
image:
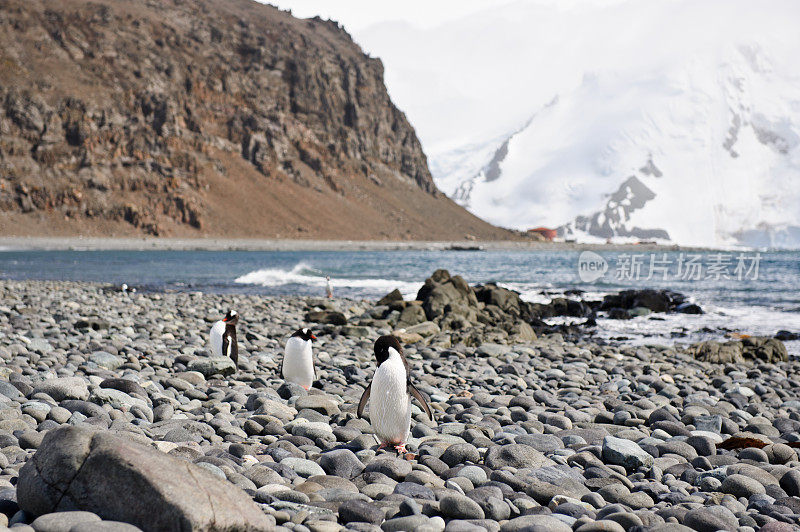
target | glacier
x=664, y=120
x=669, y=120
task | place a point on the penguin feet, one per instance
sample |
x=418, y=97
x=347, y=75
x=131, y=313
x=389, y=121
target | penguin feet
x=401, y=448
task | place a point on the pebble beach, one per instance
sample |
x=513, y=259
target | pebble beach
x=115, y=416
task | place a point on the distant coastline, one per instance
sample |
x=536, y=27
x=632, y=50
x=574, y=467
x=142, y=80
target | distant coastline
x=221, y=244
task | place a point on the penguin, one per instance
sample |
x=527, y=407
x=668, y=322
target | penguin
x=388, y=395
x=223, y=337
x=298, y=360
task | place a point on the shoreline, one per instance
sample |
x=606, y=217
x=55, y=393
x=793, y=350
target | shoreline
x=15, y=243
x=83, y=365
x=615, y=334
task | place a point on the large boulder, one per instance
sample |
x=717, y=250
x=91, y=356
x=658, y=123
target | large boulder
x=80, y=469
x=563, y=306
x=410, y=316
x=625, y=453
x=718, y=352
x=521, y=332
x=391, y=297
x=655, y=300
x=426, y=328
x=64, y=388
x=501, y=302
x=106, y=360
x=330, y=317
x=515, y=455
x=759, y=348
x=209, y=366
x=506, y=300
x=764, y=349
x=474, y=315
x=125, y=385
x=442, y=294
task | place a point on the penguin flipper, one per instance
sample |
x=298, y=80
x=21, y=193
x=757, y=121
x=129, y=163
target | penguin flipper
x=364, y=398
x=226, y=343
x=230, y=347
x=418, y=395
x=235, y=352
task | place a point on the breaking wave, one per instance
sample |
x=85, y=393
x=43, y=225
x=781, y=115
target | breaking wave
x=306, y=275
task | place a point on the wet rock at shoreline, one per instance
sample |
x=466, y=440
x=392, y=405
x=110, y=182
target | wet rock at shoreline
x=631, y=303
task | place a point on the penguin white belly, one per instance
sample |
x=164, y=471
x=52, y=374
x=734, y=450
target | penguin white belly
x=389, y=402
x=215, y=338
x=298, y=362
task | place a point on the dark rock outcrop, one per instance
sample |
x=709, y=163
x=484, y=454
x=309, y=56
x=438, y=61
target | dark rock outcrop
x=630, y=303
x=467, y=313
x=391, y=297
x=448, y=310
x=787, y=336
x=442, y=294
x=655, y=300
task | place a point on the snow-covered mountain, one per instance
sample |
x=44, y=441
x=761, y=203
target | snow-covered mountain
x=702, y=154
x=670, y=119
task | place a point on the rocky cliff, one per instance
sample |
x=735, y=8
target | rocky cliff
x=201, y=117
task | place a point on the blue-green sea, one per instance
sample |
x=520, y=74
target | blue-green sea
x=736, y=296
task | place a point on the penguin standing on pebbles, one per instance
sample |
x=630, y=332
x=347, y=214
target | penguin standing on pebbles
x=223, y=337
x=298, y=359
x=389, y=395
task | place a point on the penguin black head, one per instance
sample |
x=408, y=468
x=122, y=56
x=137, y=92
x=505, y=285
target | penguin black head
x=231, y=318
x=305, y=334
x=382, y=346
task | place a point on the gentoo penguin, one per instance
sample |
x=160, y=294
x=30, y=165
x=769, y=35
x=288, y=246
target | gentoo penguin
x=388, y=395
x=223, y=337
x=298, y=360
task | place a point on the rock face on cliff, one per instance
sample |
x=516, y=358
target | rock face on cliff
x=192, y=118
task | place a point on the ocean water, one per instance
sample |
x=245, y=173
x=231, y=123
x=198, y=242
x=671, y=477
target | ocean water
x=741, y=292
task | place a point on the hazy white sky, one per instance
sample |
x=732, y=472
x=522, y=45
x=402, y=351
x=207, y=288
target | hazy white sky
x=469, y=71
x=356, y=15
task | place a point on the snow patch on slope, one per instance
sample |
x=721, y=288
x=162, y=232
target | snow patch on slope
x=694, y=104
x=696, y=155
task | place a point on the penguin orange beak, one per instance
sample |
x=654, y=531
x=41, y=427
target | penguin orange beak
x=224, y=319
x=313, y=337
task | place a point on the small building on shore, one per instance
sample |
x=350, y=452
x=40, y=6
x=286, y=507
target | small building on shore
x=547, y=233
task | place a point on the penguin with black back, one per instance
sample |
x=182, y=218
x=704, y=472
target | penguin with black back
x=389, y=395
x=223, y=337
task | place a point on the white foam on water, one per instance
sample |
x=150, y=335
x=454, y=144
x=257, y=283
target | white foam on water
x=305, y=274
x=658, y=328
x=532, y=293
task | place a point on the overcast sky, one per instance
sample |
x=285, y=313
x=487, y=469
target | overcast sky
x=468, y=72
x=356, y=15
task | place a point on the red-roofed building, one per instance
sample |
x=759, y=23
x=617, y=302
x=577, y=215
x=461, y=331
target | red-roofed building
x=547, y=233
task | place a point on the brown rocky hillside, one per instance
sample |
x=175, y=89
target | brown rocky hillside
x=204, y=118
